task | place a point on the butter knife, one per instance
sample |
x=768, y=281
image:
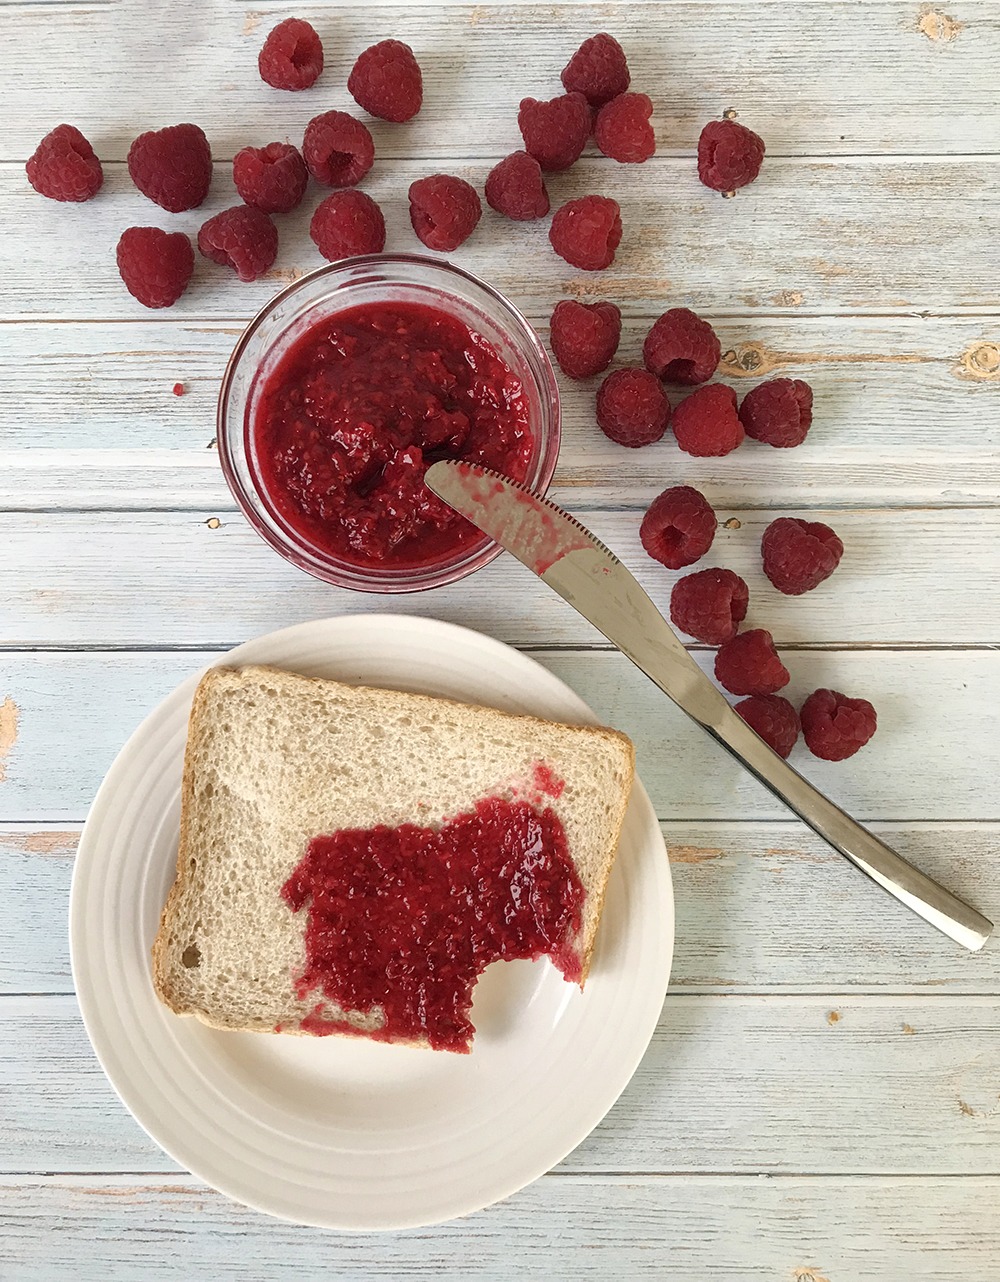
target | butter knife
x=585, y=573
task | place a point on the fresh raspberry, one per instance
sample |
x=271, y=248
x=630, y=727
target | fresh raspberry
x=516, y=188
x=778, y=412
x=706, y=423
x=632, y=407
x=799, y=555
x=348, y=223
x=555, y=132
x=682, y=348
x=709, y=605
x=444, y=210
x=586, y=232
x=338, y=149
x=155, y=265
x=292, y=56
x=729, y=155
x=679, y=527
x=773, y=718
x=386, y=81
x=584, y=336
x=272, y=178
x=598, y=70
x=64, y=167
x=242, y=238
x=749, y=664
x=834, y=726
x=623, y=131
x=172, y=166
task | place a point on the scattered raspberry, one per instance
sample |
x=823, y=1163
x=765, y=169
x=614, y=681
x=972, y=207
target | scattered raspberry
x=584, y=336
x=179, y=388
x=706, y=424
x=272, y=178
x=242, y=238
x=682, y=348
x=834, y=726
x=623, y=131
x=632, y=407
x=516, y=188
x=444, y=210
x=555, y=132
x=64, y=167
x=778, y=412
x=338, y=149
x=749, y=664
x=773, y=718
x=292, y=56
x=799, y=555
x=348, y=223
x=586, y=232
x=679, y=527
x=709, y=605
x=386, y=81
x=598, y=70
x=729, y=155
x=155, y=265
x=172, y=166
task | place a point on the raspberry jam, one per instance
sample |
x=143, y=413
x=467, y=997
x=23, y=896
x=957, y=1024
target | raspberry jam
x=358, y=408
x=406, y=919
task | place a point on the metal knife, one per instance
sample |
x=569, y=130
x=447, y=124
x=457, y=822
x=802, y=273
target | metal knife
x=585, y=573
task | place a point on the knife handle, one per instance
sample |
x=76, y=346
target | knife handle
x=890, y=870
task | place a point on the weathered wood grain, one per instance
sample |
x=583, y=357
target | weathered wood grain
x=886, y=1085
x=907, y=411
x=104, y=696
x=812, y=78
x=761, y=907
x=857, y=236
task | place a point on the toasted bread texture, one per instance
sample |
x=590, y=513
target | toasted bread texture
x=274, y=759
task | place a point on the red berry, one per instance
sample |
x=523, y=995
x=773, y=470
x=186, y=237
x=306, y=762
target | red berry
x=242, y=238
x=598, y=70
x=729, y=155
x=172, y=166
x=834, y=726
x=338, y=149
x=179, y=389
x=682, y=348
x=586, y=232
x=584, y=336
x=623, y=131
x=292, y=56
x=709, y=605
x=444, y=211
x=706, y=423
x=272, y=178
x=516, y=188
x=155, y=265
x=64, y=167
x=632, y=407
x=386, y=81
x=679, y=527
x=778, y=412
x=348, y=223
x=749, y=664
x=555, y=132
x=799, y=555
x=773, y=718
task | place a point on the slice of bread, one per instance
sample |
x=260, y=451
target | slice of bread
x=274, y=759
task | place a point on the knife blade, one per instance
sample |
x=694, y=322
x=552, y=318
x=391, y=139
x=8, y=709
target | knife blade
x=586, y=574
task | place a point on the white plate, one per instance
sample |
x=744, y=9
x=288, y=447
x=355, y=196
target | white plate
x=334, y=1132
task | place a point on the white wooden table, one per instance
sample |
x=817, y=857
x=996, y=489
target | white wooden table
x=821, y=1098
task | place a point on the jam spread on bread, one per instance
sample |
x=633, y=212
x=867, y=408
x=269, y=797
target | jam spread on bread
x=344, y=426
x=404, y=920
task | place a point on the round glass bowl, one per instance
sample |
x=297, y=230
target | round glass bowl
x=354, y=282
